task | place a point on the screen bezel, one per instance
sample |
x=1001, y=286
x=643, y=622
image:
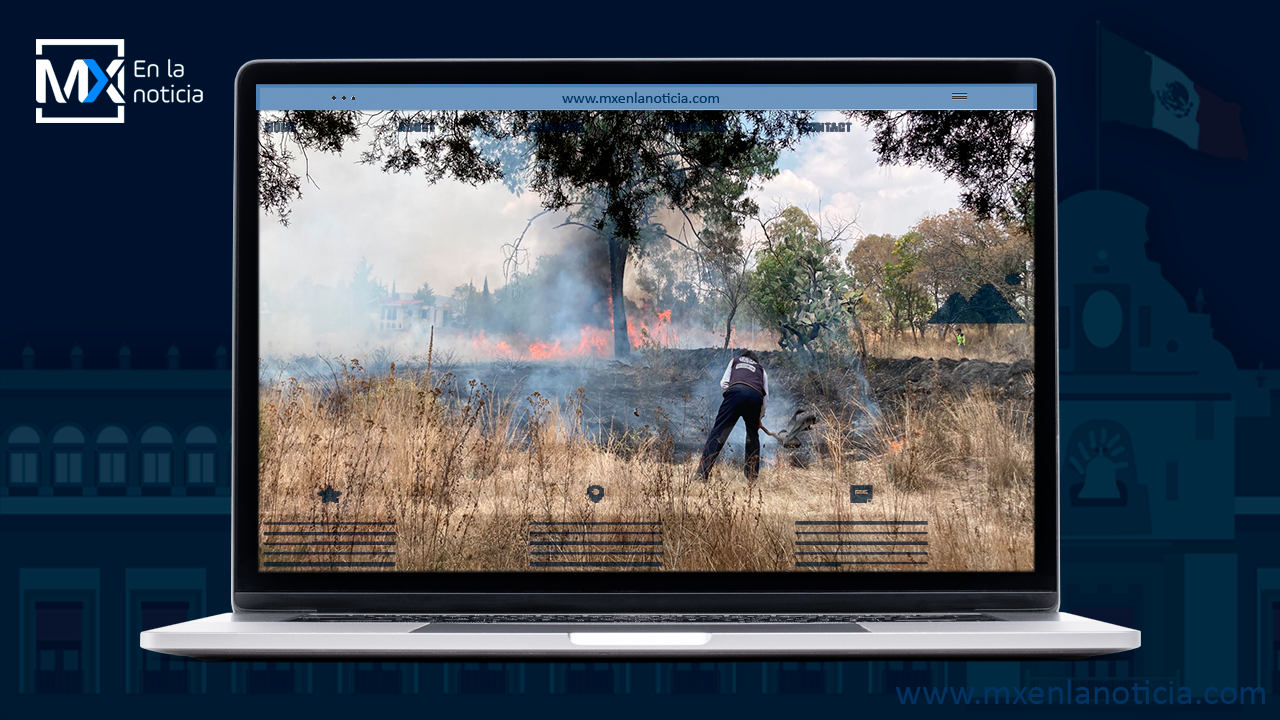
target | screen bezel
x=253, y=589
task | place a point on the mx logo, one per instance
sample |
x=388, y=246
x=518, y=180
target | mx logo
x=85, y=83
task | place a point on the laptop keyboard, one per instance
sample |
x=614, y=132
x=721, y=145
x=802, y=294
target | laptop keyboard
x=604, y=619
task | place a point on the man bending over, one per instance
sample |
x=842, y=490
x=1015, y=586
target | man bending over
x=746, y=387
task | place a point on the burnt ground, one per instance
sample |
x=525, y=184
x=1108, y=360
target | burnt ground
x=674, y=393
x=895, y=381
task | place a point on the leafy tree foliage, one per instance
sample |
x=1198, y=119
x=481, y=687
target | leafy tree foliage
x=464, y=304
x=960, y=252
x=317, y=131
x=866, y=262
x=906, y=302
x=904, y=279
x=799, y=287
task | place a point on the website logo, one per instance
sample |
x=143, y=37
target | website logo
x=86, y=93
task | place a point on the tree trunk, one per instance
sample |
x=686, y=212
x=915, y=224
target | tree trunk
x=728, y=325
x=617, y=271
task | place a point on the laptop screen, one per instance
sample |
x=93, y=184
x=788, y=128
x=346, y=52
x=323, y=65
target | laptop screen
x=649, y=329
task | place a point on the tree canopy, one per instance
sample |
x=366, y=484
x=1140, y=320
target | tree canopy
x=931, y=273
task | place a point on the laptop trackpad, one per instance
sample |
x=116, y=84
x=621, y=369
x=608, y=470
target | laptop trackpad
x=639, y=638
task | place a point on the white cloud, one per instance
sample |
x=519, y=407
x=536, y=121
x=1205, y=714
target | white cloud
x=844, y=169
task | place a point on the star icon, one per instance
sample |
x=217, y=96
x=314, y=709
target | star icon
x=328, y=495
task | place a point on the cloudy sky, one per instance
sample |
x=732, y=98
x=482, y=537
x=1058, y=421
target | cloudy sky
x=448, y=233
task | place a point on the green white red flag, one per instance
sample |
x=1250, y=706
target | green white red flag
x=1140, y=89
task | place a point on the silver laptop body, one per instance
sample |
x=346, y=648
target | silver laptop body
x=328, y=567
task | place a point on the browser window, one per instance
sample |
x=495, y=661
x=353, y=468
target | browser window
x=648, y=328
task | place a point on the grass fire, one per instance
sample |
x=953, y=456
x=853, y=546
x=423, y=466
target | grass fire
x=470, y=470
x=634, y=346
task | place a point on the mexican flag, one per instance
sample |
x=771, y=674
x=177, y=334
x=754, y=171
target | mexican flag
x=1140, y=89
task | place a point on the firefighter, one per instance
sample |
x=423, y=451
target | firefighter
x=746, y=390
x=960, y=340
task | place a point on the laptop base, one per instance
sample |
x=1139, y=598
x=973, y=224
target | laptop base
x=1006, y=635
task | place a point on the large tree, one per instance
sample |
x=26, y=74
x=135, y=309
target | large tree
x=612, y=167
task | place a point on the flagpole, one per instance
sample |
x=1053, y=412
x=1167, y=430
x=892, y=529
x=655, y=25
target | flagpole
x=1097, y=106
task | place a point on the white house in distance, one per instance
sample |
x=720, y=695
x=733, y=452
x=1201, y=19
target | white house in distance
x=401, y=312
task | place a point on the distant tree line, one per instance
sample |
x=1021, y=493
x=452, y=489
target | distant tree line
x=902, y=280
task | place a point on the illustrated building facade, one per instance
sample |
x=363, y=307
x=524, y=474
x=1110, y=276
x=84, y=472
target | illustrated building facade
x=1151, y=407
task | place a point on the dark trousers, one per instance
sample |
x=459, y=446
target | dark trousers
x=743, y=402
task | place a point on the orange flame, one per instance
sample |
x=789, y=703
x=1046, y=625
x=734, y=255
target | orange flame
x=542, y=351
x=659, y=333
x=592, y=341
x=488, y=347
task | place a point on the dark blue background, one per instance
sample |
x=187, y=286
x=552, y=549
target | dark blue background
x=150, y=223
x=122, y=235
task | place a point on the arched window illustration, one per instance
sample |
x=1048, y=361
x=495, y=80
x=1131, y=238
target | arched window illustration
x=68, y=458
x=113, y=457
x=157, y=458
x=24, y=456
x=202, y=452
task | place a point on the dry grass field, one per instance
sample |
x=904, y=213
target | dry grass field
x=470, y=478
x=996, y=343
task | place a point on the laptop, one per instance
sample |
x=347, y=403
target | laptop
x=645, y=358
